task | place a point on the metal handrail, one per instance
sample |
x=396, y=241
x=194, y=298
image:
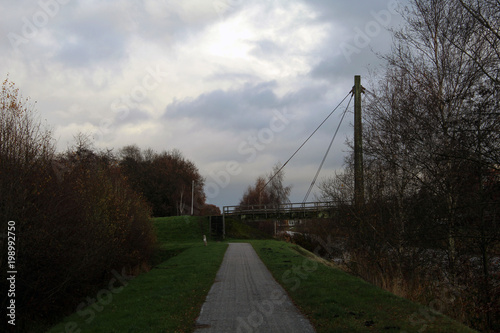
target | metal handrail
x=287, y=207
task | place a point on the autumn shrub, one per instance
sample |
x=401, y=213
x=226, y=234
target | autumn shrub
x=77, y=219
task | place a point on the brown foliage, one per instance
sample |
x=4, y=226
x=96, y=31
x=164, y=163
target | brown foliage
x=76, y=217
x=164, y=179
x=270, y=191
x=210, y=210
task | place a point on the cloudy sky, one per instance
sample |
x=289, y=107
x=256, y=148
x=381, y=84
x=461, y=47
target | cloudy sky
x=235, y=85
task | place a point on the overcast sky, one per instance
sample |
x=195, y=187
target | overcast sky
x=235, y=85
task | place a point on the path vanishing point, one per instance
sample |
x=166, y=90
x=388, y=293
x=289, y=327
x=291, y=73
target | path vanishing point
x=245, y=298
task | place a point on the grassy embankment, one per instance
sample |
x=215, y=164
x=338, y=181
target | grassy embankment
x=169, y=297
x=335, y=301
x=166, y=299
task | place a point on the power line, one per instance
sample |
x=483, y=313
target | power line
x=327, y=151
x=302, y=145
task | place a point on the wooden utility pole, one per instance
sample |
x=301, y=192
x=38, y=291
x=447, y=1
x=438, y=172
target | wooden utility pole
x=359, y=191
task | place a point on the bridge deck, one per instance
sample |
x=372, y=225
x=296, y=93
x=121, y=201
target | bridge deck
x=282, y=211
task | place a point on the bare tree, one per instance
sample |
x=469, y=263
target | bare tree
x=477, y=22
x=268, y=192
x=278, y=192
x=257, y=194
x=432, y=129
x=26, y=149
x=431, y=139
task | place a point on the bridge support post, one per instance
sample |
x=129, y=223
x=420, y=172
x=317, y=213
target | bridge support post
x=359, y=192
x=223, y=223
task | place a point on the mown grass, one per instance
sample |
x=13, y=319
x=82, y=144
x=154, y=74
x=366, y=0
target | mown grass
x=166, y=299
x=181, y=229
x=169, y=297
x=335, y=301
x=178, y=233
x=238, y=231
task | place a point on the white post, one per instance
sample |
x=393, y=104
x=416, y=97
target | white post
x=192, y=197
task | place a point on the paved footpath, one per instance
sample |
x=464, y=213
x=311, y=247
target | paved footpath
x=245, y=298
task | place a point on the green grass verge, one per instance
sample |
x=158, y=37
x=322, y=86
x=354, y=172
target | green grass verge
x=178, y=233
x=170, y=296
x=335, y=301
x=166, y=299
x=181, y=229
x=238, y=230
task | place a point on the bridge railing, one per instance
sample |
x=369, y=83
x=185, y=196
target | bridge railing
x=306, y=208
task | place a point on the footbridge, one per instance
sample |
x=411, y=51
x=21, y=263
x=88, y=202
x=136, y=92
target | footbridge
x=286, y=211
x=308, y=210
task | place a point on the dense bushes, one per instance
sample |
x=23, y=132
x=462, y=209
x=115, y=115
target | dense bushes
x=167, y=180
x=76, y=217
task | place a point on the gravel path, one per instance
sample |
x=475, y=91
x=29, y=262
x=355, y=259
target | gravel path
x=245, y=298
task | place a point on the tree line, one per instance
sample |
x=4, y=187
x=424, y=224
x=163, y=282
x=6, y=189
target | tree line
x=82, y=214
x=430, y=226
x=169, y=182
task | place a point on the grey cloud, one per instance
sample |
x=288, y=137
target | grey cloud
x=93, y=38
x=306, y=96
x=245, y=108
x=134, y=116
x=346, y=53
x=333, y=68
x=266, y=48
x=251, y=107
x=171, y=23
x=86, y=36
x=348, y=13
x=222, y=75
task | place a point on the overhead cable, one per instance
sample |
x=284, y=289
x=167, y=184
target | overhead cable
x=302, y=145
x=326, y=154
